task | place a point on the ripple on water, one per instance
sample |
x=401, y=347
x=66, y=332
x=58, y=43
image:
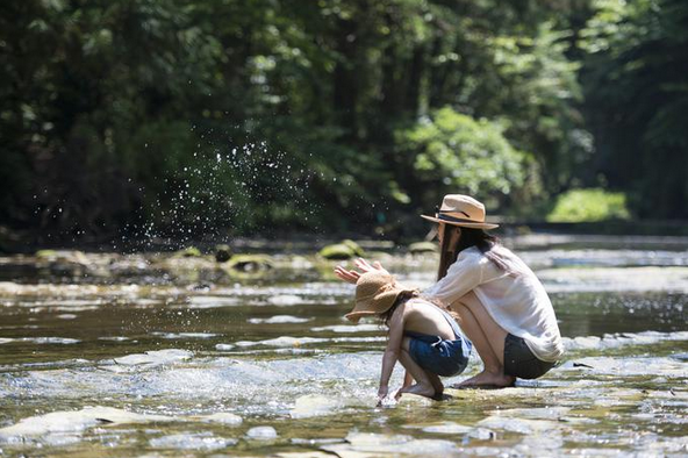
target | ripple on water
x=279, y=319
x=350, y=328
x=184, y=335
x=50, y=340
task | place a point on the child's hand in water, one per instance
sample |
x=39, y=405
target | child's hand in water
x=390, y=400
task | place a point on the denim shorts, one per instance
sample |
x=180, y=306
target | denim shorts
x=439, y=356
x=519, y=360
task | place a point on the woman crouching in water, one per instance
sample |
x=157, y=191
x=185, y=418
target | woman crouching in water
x=422, y=336
x=504, y=309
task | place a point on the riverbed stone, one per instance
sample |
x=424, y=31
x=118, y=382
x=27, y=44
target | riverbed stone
x=414, y=400
x=338, y=252
x=225, y=418
x=73, y=421
x=313, y=405
x=262, y=433
x=249, y=263
x=223, y=253
x=371, y=444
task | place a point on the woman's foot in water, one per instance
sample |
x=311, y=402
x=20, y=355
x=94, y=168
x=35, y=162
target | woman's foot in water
x=487, y=379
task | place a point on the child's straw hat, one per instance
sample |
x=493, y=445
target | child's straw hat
x=376, y=293
x=463, y=211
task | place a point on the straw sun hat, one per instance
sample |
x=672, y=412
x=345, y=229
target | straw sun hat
x=463, y=211
x=376, y=293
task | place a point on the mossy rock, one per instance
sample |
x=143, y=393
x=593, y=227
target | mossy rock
x=250, y=263
x=223, y=253
x=338, y=251
x=188, y=252
x=347, y=249
x=63, y=256
x=46, y=254
x=423, y=247
x=355, y=247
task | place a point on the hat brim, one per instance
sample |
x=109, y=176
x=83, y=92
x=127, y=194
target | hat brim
x=356, y=316
x=461, y=224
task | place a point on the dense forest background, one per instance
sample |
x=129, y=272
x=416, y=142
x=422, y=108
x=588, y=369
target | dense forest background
x=142, y=117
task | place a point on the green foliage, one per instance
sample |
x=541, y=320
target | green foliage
x=637, y=101
x=454, y=151
x=589, y=205
x=193, y=118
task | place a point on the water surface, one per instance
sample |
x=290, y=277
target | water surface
x=171, y=361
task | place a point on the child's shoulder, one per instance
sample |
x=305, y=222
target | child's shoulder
x=419, y=302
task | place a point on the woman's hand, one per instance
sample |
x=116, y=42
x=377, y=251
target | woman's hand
x=352, y=276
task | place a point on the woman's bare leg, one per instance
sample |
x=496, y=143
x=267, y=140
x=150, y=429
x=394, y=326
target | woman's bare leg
x=487, y=337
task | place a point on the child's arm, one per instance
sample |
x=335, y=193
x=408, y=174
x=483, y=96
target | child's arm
x=396, y=334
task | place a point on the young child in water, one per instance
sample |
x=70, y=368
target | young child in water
x=422, y=336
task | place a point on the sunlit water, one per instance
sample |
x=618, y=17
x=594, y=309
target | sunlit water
x=188, y=361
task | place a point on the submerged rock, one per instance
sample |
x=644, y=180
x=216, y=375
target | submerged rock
x=250, y=263
x=520, y=425
x=223, y=417
x=192, y=441
x=414, y=400
x=313, y=405
x=448, y=428
x=369, y=444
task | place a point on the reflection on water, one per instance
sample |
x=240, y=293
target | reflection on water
x=270, y=367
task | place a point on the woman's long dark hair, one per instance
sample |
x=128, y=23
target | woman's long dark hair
x=468, y=237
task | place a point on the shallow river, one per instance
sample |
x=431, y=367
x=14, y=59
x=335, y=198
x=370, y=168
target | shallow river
x=105, y=355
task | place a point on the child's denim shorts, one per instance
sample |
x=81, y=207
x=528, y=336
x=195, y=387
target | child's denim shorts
x=439, y=356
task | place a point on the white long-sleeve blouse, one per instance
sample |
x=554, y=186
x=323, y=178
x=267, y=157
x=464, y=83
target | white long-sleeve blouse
x=514, y=298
